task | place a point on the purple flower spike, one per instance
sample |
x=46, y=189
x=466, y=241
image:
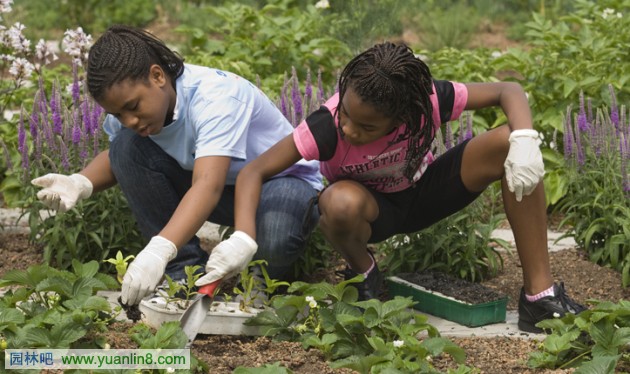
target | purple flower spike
x=469, y=127
x=76, y=88
x=320, y=88
x=614, y=113
x=578, y=146
x=296, y=98
x=283, y=101
x=449, y=136
x=76, y=134
x=21, y=132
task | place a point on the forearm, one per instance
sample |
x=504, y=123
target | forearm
x=99, y=172
x=248, y=189
x=509, y=96
x=515, y=105
x=191, y=213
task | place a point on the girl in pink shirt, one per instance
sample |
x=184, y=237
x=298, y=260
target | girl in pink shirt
x=373, y=139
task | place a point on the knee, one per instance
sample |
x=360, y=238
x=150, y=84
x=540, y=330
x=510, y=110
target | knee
x=343, y=205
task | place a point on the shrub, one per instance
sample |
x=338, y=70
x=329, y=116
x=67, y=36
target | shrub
x=61, y=134
x=597, y=204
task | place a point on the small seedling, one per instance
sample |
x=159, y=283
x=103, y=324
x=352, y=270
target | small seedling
x=253, y=288
x=121, y=264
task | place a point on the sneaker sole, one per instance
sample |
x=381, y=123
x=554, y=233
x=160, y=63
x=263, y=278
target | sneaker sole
x=529, y=327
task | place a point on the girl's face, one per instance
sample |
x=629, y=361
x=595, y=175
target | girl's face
x=142, y=106
x=360, y=122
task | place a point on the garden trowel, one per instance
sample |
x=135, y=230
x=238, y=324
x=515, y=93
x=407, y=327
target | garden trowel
x=193, y=317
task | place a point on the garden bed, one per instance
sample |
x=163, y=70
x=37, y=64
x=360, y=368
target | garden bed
x=223, y=353
x=454, y=299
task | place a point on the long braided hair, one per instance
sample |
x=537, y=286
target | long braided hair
x=127, y=52
x=394, y=81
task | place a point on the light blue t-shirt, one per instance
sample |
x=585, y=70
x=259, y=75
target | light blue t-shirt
x=221, y=114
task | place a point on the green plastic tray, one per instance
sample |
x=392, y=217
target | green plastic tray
x=448, y=308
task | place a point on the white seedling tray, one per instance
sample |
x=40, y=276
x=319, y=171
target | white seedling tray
x=223, y=318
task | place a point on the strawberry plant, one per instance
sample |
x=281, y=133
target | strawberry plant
x=595, y=341
x=366, y=336
x=51, y=308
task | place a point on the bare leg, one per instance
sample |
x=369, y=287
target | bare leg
x=347, y=208
x=482, y=164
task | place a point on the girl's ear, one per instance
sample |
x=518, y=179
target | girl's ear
x=157, y=75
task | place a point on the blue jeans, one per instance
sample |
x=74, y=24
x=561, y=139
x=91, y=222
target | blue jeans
x=154, y=184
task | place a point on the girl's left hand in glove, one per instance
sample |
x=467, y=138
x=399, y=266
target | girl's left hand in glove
x=524, y=167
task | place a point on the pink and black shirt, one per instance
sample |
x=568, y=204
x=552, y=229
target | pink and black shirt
x=378, y=165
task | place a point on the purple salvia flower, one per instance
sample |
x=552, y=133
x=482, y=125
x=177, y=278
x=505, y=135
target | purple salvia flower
x=21, y=132
x=296, y=99
x=76, y=134
x=34, y=119
x=95, y=146
x=63, y=156
x=469, y=126
x=597, y=137
x=614, y=114
x=308, y=93
x=55, y=108
x=283, y=101
x=625, y=153
x=22, y=145
x=578, y=145
x=85, y=117
x=320, y=88
x=460, y=132
x=84, y=155
x=589, y=110
x=568, y=136
x=76, y=88
x=448, y=142
x=581, y=117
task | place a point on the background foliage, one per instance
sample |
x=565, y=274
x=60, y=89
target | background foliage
x=557, y=49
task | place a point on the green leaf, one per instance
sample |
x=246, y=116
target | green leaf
x=599, y=365
x=8, y=316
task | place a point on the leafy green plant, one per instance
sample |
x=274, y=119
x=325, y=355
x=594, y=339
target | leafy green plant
x=594, y=341
x=47, y=307
x=265, y=42
x=597, y=204
x=570, y=55
x=252, y=288
x=450, y=26
x=169, y=336
x=366, y=336
x=62, y=134
x=180, y=293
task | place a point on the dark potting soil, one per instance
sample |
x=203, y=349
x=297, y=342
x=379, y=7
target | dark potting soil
x=460, y=289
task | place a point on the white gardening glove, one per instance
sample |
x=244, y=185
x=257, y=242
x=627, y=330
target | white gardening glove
x=228, y=258
x=524, y=166
x=146, y=271
x=62, y=192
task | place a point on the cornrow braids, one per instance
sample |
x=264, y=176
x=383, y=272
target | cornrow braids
x=394, y=81
x=127, y=52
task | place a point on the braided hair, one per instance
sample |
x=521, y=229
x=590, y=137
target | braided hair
x=391, y=79
x=126, y=52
